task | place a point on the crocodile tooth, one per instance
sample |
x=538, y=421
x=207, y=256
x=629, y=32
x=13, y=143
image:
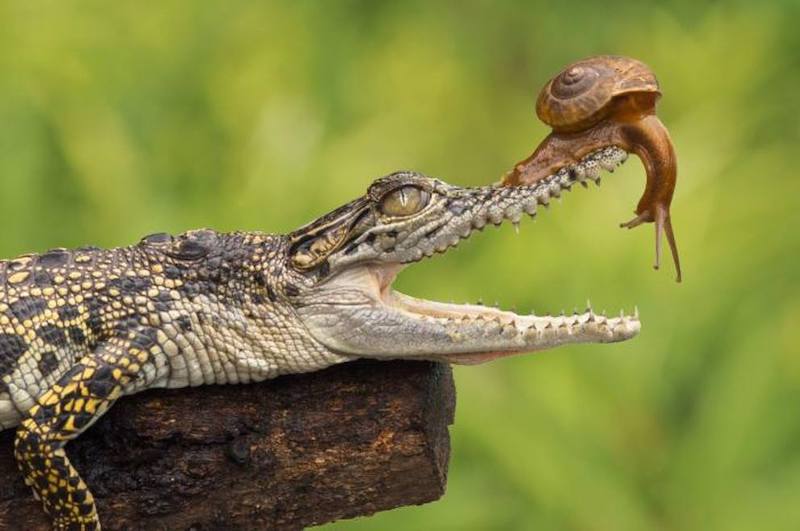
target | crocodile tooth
x=530, y=207
x=496, y=216
x=514, y=213
x=607, y=164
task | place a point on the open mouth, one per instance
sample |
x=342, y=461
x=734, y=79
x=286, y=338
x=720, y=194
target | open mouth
x=519, y=333
x=600, y=110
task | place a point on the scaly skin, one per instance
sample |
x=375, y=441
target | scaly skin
x=81, y=328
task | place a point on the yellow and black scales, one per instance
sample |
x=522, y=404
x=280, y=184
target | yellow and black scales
x=79, y=329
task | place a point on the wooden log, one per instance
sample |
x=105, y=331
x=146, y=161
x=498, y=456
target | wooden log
x=284, y=454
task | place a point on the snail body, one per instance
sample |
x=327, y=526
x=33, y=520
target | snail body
x=601, y=101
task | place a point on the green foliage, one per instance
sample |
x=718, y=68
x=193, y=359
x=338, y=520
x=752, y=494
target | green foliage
x=119, y=119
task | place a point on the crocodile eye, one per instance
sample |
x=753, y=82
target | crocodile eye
x=404, y=201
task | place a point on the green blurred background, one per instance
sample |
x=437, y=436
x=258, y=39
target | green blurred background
x=121, y=119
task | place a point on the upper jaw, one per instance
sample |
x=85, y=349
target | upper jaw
x=515, y=202
x=458, y=212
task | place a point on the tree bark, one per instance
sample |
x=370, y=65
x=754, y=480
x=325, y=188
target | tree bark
x=284, y=454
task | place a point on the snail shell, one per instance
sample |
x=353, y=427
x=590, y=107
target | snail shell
x=583, y=93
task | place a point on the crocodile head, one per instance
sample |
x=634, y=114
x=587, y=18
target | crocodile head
x=349, y=258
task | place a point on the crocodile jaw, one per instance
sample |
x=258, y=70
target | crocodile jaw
x=356, y=312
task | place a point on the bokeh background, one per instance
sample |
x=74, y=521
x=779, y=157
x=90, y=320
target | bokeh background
x=121, y=119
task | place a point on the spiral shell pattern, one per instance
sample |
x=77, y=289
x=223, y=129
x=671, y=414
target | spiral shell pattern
x=580, y=96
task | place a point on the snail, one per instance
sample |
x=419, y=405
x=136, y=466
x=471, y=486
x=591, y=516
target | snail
x=603, y=101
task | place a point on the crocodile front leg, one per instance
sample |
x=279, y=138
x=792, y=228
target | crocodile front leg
x=67, y=409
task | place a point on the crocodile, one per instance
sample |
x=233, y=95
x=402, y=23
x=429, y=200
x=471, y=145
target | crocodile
x=81, y=328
